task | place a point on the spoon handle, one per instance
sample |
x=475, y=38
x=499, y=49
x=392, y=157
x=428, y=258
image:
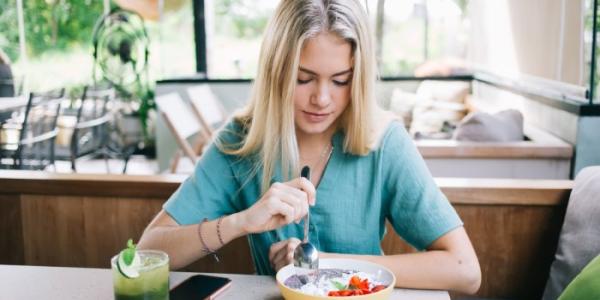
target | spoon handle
x=306, y=174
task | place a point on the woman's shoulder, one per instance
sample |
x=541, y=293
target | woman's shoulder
x=388, y=130
x=396, y=131
x=232, y=133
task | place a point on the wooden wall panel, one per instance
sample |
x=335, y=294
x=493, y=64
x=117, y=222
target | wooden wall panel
x=53, y=230
x=11, y=234
x=235, y=257
x=515, y=246
x=81, y=231
x=110, y=222
x=87, y=231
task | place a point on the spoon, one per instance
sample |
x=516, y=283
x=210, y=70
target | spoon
x=306, y=255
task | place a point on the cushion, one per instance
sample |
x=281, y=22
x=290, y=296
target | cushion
x=586, y=285
x=579, y=240
x=504, y=126
x=402, y=104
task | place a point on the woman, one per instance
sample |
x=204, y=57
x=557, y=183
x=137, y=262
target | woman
x=313, y=104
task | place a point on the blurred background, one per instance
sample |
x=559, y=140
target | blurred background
x=551, y=39
x=540, y=50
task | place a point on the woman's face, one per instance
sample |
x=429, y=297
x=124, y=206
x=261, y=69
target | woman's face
x=322, y=90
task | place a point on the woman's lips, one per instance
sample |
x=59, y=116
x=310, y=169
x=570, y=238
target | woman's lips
x=315, y=117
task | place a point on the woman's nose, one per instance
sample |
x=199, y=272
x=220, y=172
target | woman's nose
x=322, y=96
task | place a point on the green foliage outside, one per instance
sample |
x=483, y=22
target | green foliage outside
x=56, y=31
x=50, y=25
x=241, y=17
x=9, y=35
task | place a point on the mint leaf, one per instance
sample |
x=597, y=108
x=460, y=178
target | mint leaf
x=129, y=253
x=338, y=285
x=130, y=244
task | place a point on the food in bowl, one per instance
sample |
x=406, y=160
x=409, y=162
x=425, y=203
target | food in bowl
x=336, y=277
x=335, y=282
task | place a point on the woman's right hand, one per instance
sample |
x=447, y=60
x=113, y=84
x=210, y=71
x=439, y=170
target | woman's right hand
x=282, y=204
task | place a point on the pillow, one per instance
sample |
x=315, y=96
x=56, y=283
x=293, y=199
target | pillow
x=586, y=285
x=579, y=240
x=402, y=104
x=504, y=126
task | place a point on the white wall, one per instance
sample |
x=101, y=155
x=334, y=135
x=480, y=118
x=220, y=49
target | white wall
x=541, y=38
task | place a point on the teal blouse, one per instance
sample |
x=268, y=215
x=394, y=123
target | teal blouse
x=355, y=196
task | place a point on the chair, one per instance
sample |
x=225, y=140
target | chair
x=184, y=125
x=207, y=108
x=209, y=112
x=37, y=131
x=91, y=133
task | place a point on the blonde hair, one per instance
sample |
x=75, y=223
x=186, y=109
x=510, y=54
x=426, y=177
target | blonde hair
x=269, y=116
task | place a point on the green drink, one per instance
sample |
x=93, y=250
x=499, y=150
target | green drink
x=147, y=278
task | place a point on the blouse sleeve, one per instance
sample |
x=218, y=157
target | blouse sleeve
x=208, y=193
x=416, y=207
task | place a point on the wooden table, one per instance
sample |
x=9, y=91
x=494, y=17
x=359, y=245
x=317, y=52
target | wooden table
x=33, y=282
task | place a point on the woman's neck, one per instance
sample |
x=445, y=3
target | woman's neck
x=315, y=151
x=309, y=143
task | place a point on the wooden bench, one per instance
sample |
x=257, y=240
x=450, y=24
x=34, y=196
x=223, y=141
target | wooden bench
x=83, y=220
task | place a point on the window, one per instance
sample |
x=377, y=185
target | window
x=233, y=35
x=59, y=49
x=424, y=30
x=58, y=34
x=172, y=48
x=9, y=47
x=421, y=37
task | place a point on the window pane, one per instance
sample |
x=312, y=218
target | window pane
x=172, y=50
x=233, y=35
x=9, y=48
x=403, y=45
x=58, y=36
x=426, y=30
x=423, y=37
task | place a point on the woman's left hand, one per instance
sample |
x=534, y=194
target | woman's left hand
x=281, y=254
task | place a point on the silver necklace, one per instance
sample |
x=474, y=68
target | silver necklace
x=326, y=153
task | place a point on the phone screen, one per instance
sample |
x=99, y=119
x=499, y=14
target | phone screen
x=199, y=287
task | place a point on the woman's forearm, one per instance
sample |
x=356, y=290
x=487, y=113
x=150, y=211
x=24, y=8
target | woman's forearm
x=182, y=243
x=435, y=269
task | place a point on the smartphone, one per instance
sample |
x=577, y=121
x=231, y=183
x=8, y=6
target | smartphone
x=200, y=287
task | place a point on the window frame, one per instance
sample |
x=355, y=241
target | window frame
x=200, y=37
x=591, y=89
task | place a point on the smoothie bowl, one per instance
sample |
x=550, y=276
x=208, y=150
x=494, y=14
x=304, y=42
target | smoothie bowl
x=336, y=277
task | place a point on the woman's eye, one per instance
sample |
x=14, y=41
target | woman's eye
x=300, y=81
x=341, y=83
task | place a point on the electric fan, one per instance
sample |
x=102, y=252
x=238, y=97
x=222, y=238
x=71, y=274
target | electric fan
x=121, y=59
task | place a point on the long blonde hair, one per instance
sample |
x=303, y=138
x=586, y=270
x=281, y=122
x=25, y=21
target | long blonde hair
x=269, y=116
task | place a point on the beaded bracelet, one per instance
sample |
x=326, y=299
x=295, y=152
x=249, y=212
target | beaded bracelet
x=204, y=246
x=219, y=231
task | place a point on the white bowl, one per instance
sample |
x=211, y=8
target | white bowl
x=380, y=273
